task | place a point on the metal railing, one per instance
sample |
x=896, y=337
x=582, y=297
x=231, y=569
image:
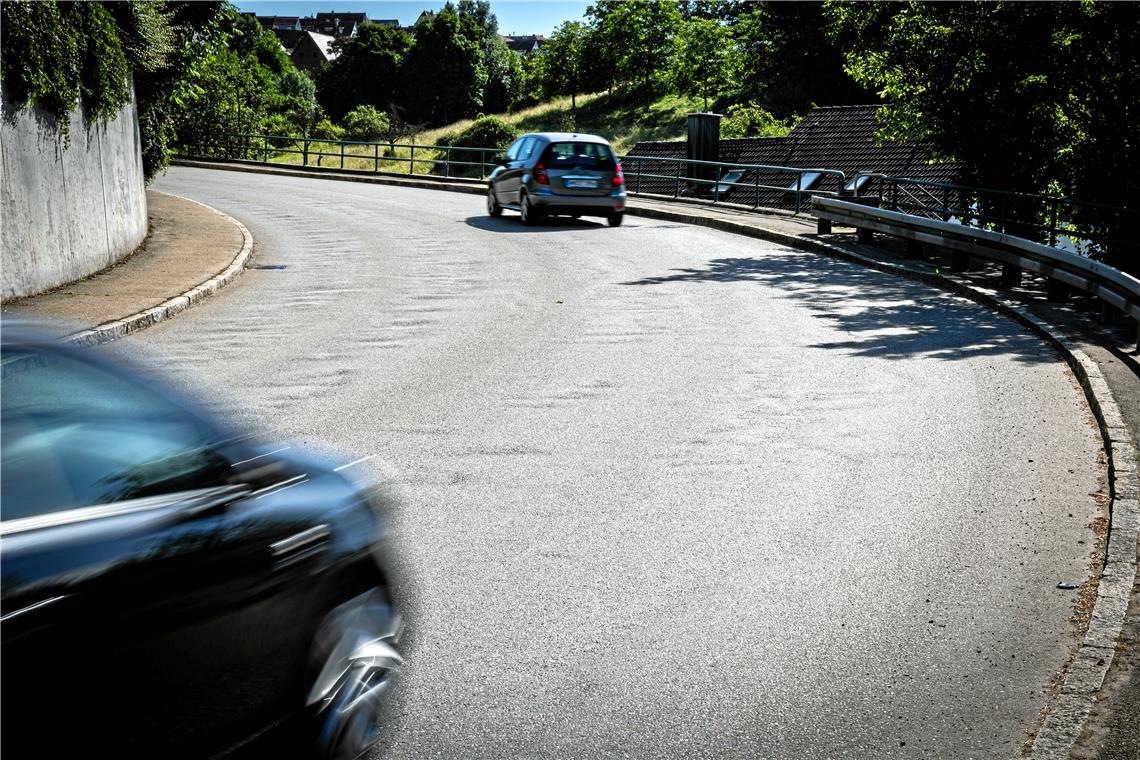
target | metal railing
x=681, y=177
x=377, y=157
x=1088, y=227
x=689, y=177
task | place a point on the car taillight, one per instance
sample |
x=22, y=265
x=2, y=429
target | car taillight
x=619, y=178
x=540, y=174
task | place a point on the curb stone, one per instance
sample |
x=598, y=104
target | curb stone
x=1068, y=710
x=109, y=331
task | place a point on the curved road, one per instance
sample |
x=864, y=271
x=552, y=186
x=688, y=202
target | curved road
x=666, y=491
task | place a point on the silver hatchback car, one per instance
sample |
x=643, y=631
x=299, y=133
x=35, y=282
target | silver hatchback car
x=552, y=173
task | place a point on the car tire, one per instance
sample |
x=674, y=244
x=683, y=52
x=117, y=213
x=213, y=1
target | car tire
x=615, y=219
x=528, y=215
x=493, y=207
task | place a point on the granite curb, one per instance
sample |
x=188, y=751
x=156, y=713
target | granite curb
x=113, y=330
x=1069, y=708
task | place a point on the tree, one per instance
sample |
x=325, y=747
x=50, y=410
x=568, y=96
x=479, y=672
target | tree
x=504, y=76
x=788, y=62
x=640, y=35
x=1025, y=96
x=564, y=54
x=368, y=70
x=445, y=72
x=705, y=58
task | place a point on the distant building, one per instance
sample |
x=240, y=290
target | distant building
x=311, y=50
x=338, y=23
x=280, y=23
x=530, y=43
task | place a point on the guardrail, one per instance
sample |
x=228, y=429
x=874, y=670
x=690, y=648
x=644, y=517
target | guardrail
x=1035, y=217
x=1116, y=289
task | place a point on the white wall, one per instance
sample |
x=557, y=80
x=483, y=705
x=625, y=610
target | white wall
x=66, y=211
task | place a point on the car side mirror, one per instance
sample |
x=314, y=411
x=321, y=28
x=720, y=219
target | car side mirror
x=501, y=160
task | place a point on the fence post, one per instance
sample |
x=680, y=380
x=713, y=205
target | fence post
x=375, y=158
x=266, y=152
x=305, y=153
x=342, y=155
x=677, y=182
x=412, y=160
x=756, y=191
x=638, y=181
x=447, y=162
x=1053, y=225
x=799, y=179
x=482, y=163
x=716, y=187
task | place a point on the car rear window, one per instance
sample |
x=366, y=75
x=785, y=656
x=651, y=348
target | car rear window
x=579, y=155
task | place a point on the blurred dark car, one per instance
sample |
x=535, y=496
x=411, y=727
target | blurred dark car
x=169, y=588
x=548, y=173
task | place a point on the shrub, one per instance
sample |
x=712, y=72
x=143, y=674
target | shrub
x=750, y=120
x=326, y=130
x=367, y=124
x=484, y=132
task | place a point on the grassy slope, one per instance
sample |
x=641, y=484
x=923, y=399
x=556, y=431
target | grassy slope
x=621, y=121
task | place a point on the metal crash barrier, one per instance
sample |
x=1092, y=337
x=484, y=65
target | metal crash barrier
x=1116, y=289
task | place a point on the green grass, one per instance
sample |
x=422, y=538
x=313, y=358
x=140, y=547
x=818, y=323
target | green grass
x=622, y=120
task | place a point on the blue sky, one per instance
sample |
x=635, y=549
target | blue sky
x=515, y=16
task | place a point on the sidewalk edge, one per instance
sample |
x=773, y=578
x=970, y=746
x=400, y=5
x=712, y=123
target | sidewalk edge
x=115, y=329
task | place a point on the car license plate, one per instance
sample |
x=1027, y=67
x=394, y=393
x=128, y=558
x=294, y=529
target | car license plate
x=581, y=183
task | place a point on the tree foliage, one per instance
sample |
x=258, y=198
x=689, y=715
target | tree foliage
x=564, y=55
x=639, y=34
x=446, y=69
x=367, y=124
x=368, y=70
x=788, y=62
x=705, y=60
x=1026, y=96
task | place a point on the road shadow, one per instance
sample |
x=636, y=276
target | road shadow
x=511, y=223
x=885, y=316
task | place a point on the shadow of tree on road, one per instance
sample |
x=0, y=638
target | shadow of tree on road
x=886, y=316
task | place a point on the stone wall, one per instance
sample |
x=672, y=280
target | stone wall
x=66, y=211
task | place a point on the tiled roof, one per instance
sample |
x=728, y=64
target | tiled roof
x=834, y=137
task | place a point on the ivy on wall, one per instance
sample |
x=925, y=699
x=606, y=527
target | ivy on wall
x=63, y=55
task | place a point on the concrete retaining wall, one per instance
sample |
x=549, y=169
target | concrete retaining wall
x=66, y=211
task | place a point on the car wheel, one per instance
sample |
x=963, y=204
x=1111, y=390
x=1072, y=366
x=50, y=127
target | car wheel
x=527, y=213
x=493, y=207
x=356, y=660
x=615, y=219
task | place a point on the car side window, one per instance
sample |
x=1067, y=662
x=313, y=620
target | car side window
x=527, y=148
x=513, y=151
x=77, y=435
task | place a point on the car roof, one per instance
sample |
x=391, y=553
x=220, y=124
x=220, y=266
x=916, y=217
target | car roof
x=569, y=136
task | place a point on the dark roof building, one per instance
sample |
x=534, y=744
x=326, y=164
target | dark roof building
x=338, y=23
x=311, y=51
x=833, y=137
x=276, y=23
x=530, y=43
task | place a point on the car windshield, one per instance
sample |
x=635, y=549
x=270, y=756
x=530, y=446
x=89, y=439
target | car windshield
x=579, y=155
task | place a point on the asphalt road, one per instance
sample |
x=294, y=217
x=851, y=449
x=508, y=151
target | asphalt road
x=666, y=492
